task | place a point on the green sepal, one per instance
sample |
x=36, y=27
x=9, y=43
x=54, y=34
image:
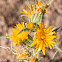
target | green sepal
x=30, y=38
x=27, y=43
x=36, y=25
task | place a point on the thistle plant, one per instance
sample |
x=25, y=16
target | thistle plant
x=40, y=39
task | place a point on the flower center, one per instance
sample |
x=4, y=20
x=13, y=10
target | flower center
x=43, y=37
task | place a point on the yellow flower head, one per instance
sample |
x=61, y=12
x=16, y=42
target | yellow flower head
x=30, y=25
x=22, y=53
x=32, y=60
x=44, y=38
x=39, y=7
x=27, y=12
x=17, y=39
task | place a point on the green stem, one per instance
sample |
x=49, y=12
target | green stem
x=12, y=50
x=57, y=48
x=34, y=18
x=54, y=54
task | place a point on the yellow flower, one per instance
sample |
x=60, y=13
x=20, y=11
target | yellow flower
x=30, y=25
x=22, y=53
x=32, y=60
x=17, y=39
x=39, y=7
x=27, y=13
x=44, y=38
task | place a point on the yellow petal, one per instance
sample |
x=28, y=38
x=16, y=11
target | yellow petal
x=43, y=49
x=25, y=11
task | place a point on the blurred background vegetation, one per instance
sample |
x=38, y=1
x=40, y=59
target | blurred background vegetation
x=9, y=17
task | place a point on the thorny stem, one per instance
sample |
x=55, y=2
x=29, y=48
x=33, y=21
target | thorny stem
x=12, y=50
x=50, y=1
x=57, y=48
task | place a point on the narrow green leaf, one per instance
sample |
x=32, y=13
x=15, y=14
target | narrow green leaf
x=49, y=2
x=56, y=29
x=43, y=11
x=4, y=36
x=27, y=43
x=23, y=30
x=32, y=17
x=26, y=29
x=55, y=46
x=44, y=7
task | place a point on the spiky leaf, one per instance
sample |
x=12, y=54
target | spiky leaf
x=56, y=29
x=29, y=37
